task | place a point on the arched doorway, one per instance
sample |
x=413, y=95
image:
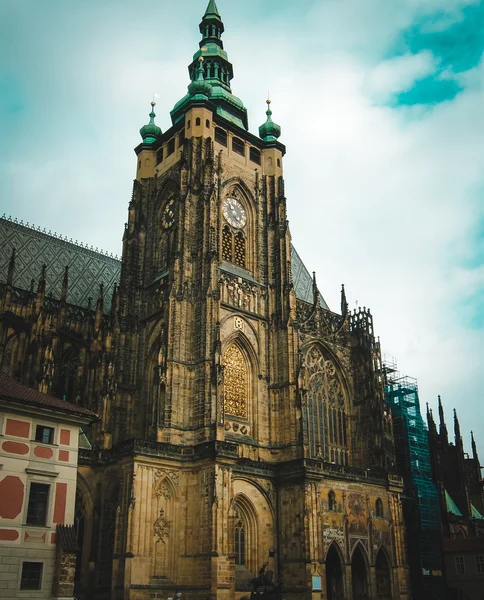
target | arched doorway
x=359, y=576
x=383, y=579
x=334, y=575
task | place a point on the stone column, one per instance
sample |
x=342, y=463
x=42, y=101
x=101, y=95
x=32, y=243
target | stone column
x=65, y=563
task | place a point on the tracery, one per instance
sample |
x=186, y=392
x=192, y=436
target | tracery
x=325, y=412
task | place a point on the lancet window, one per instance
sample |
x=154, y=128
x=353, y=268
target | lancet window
x=325, y=412
x=239, y=540
x=236, y=382
x=245, y=538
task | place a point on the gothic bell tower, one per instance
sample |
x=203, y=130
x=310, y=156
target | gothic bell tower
x=206, y=377
x=206, y=270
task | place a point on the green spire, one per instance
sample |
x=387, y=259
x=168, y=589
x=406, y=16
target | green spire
x=151, y=132
x=216, y=72
x=211, y=26
x=270, y=131
x=212, y=10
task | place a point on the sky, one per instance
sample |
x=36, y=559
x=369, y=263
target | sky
x=381, y=108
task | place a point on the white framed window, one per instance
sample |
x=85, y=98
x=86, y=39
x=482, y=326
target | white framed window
x=460, y=567
x=38, y=505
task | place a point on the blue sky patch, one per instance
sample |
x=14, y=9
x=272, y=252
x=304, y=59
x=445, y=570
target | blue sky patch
x=458, y=47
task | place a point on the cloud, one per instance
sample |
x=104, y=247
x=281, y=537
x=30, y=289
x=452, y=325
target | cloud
x=399, y=74
x=384, y=191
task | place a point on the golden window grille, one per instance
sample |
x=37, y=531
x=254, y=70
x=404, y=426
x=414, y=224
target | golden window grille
x=227, y=244
x=239, y=249
x=235, y=382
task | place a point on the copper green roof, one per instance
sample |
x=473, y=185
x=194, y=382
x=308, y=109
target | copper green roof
x=451, y=505
x=150, y=132
x=475, y=513
x=270, y=131
x=217, y=72
x=212, y=10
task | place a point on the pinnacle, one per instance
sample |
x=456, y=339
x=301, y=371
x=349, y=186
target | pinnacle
x=212, y=9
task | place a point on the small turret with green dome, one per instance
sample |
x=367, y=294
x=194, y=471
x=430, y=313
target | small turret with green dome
x=151, y=132
x=199, y=87
x=269, y=131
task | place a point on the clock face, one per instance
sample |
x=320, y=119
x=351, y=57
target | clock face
x=168, y=216
x=234, y=213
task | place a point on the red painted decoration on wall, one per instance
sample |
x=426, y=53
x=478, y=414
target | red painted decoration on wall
x=17, y=428
x=64, y=455
x=43, y=452
x=65, y=437
x=11, y=497
x=60, y=503
x=15, y=448
x=9, y=535
x=52, y=538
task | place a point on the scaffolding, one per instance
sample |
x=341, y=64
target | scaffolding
x=421, y=499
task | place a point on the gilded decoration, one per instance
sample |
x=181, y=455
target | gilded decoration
x=235, y=382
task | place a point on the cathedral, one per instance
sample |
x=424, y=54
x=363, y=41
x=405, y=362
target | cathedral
x=243, y=431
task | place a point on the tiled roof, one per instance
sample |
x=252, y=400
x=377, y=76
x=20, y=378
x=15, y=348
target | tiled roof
x=87, y=266
x=11, y=389
x=66, y=538
x=302, y=280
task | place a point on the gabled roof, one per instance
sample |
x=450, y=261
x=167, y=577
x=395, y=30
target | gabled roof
x=13, y=391
x=302, y=280
x=475, y=513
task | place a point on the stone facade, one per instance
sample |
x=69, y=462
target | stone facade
x=239, y=424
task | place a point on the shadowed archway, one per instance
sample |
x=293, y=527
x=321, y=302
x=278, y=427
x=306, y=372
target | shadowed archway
x=383, y=578
x=359, y=575
x=334, y=575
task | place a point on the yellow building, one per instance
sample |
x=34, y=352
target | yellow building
x=242, y=422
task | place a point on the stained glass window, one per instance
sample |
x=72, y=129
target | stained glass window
x=325, y=414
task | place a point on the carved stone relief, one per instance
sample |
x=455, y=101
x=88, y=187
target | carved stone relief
x=161, y=526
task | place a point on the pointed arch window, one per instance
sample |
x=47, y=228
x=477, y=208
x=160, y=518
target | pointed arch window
x=325, y=409
x=239, y=540
x=245, y=537
x=332, y=501
x=379, y=508
x=236, y=382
